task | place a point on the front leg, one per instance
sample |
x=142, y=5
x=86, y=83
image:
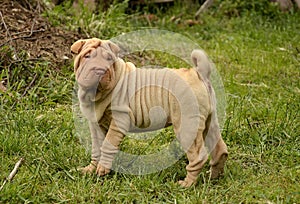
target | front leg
x=110, y=148
x=97, y=136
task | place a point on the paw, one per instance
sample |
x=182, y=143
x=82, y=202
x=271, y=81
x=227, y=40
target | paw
x=89, y=169
x=101, y=170
x=186, y=182
x=218, y=169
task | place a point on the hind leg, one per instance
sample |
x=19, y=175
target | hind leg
x=218, y=158
x=217, y=148
x=197, y=156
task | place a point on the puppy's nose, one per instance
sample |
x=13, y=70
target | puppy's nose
x=99, y=71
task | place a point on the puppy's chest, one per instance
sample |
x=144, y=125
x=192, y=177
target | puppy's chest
x=106, y=119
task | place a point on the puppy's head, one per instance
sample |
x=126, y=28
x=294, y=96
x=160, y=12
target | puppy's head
x=94, y=62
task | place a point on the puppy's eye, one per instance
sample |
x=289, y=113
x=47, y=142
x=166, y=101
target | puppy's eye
x=87, y=56
x=109, y=57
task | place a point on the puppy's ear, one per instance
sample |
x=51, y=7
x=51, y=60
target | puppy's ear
x=77, y=46
x=112, y=46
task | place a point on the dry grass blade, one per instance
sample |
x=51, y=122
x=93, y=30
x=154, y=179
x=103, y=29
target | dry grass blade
x=2, y=87
x=204, y=7
x=12, y=173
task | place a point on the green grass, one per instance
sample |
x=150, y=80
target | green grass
x=258, y=59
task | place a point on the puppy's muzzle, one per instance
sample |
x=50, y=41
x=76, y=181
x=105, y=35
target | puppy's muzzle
x=89, y=79
x=99, y=71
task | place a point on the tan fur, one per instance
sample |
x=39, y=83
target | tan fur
x=116, y=98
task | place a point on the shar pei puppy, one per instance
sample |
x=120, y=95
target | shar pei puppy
x=117, y=98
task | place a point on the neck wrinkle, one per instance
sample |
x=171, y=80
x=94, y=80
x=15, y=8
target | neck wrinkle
x=119, y=69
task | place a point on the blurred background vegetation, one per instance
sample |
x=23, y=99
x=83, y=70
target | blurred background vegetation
x=255, y=47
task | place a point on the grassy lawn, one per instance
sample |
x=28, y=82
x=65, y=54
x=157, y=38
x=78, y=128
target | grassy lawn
x=256, y=54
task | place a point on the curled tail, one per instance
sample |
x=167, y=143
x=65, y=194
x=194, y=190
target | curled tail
x=202, y=63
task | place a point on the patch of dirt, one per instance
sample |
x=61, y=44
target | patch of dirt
x=24, y=29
